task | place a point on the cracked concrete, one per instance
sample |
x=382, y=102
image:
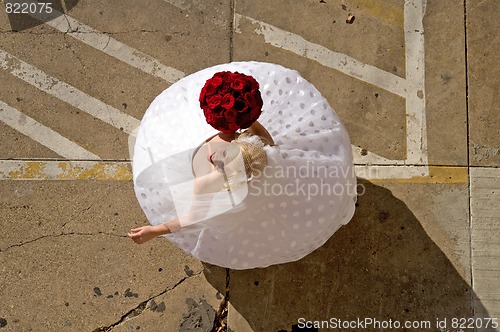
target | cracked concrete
x=76, y=31
x=409, y=253
x=104, y=280
x=483, y=154
x=144, y=305
x=220, y=321
x=57, y=235
x=189, y=306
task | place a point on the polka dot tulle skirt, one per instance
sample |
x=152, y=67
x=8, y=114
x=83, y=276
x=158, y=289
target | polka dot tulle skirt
x=307, y=191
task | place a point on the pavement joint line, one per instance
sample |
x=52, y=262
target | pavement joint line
x=108, y=45
x=42, y=134
x=122, y=171
x=469, y=189
x=223, y=310
x=123, y=160
x=232, y=26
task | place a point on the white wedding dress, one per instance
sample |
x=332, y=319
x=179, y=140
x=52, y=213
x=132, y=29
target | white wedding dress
x=305, y=194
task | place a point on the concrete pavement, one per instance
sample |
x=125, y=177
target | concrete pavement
x=415, y=84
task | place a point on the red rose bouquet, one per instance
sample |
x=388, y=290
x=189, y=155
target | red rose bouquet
x=231, y=101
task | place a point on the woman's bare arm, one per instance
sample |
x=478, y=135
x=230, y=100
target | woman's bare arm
x=211, y=182
x=145, y=233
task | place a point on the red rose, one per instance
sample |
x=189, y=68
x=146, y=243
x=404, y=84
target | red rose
x=240, y=105
x=227, y=101
x=217, y=111
x=203, y=93
x=210, y=89
x=209, y=117
x=216, y=81
x=238, y=84
x=214, y=101
x=223, y=75
x=223, y=89
x=253, y=82
x=230, y=115
x=250, y=100
x=219, y=122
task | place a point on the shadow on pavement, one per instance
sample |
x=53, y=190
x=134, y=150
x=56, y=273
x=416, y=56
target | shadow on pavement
x=382, y=265
x=28, y=14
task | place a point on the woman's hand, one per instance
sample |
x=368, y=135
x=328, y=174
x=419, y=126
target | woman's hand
x=144, y=233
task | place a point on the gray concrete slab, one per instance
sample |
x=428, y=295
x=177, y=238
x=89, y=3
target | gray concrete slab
x=485, y=221
x=416, y=249
x=446, y=103
x=376, y=38
x=190, y=306
x=63, y=244
x=483, y=49
x=66, y=263
x=11, y=140
x=84, y=129
x=83, y=56
x=399, y=258
x=364, y=109
x=177, y=33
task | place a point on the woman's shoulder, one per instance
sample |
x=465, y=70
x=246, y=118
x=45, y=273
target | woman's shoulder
x=259, y=130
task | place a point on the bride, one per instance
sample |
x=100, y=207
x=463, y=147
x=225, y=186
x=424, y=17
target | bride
x=210, y=167
x=254, y=193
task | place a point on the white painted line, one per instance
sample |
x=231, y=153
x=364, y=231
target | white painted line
x=42, y=134
x=65, y=170
x=360, y=156
x=67, y=93
x=412, y=88
x=380, y=172
x=416, y=127
x=181, y=4
x=107, y=44
x=297, y=44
